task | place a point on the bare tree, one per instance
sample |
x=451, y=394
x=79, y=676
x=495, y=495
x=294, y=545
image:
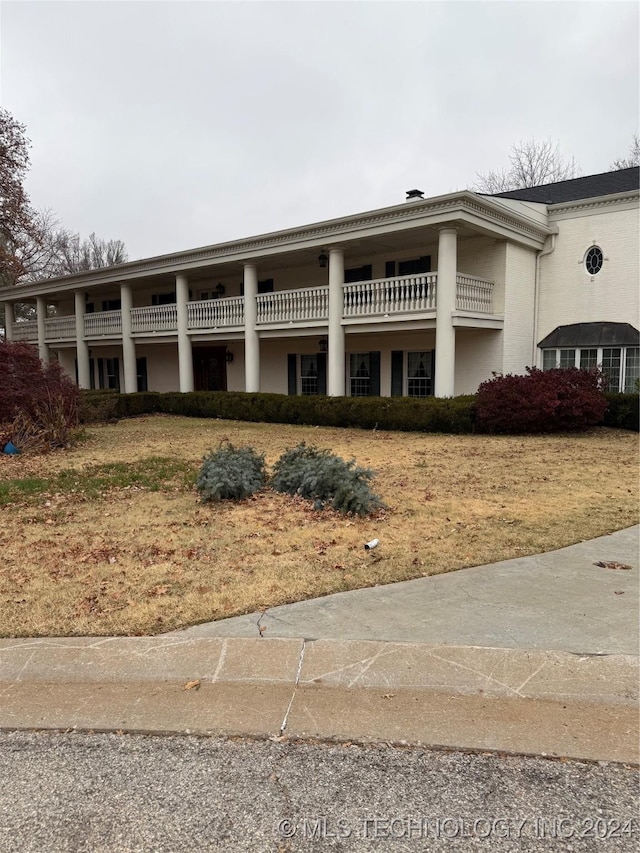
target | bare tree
x=632, y=160
x=531, y=164
x=54, y=251
x=77, y=255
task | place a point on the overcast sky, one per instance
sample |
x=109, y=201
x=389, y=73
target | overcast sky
x=172, y=125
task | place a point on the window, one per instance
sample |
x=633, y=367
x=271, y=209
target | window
x=357, y=274
x=164, y=298
x=593, y=260
x=309, y=375
x=611, y=361
x=111, y=304
x=620, y=365
x=567, y=358
x=415, y=266
x=109, y=373
x=419, y=378
x=359, y=374
x=588, y=358
x=632, y=370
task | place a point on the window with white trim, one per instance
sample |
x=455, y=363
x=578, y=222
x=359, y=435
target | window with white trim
x=620, y=365
x=359, y=374
x=309, y=375
x=419, y=378
x=632, y=370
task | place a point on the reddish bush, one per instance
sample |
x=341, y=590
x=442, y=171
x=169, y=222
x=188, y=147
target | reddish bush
x=38, y=402
x=541, y=401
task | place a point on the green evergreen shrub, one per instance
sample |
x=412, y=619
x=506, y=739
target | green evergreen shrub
x=231, y=473
x=99, y=406
x=623, y=411
x=321, y=476
x=450, y=415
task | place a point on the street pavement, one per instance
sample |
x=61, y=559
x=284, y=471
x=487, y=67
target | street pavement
x=84, y=793
x=535, y=656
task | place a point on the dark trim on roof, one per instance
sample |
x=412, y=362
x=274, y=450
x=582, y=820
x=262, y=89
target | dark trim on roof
x=591, y=186
x=592, y=335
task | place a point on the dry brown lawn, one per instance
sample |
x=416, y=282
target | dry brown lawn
x=132, y=560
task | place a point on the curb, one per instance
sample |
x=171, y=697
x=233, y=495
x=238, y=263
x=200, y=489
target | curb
x=468, y=697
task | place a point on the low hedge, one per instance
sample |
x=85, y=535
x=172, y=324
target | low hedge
x=405, y=414
x=449, y=415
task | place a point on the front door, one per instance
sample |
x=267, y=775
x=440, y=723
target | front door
x=209, y=369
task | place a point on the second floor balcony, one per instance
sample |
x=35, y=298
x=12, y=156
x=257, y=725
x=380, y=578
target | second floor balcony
x=380, y=300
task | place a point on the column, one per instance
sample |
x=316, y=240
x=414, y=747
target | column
x=445, y=305
x=185, y=357
x=251, y=339
x=82, y=347
x=335, y=353
x=128, y=341
x=9, y=320
x=43, y=349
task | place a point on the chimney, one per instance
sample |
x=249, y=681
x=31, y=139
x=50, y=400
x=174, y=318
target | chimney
x=414, y=195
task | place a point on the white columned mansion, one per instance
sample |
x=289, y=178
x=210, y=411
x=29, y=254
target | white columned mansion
x=427, y=297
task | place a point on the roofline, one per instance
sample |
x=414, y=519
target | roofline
x=437, y=212
x=594, y=201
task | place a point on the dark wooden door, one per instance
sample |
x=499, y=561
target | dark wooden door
x=209, y=369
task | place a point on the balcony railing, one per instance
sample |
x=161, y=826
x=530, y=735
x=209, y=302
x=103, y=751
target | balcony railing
x=294, y=306
x=60, y=328
x=474, y=294
x=383, y=298
x=103, y=324
x=25, y=331
x=216, y=313
x=155, y=318
x=399, y=295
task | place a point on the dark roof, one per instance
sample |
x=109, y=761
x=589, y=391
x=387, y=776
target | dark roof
x=591, y=186
x=592, y=335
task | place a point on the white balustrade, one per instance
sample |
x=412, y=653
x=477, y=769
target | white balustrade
x=25, y=331
x=474, y=294
x=216, y=313
x=401, y=294
x=294, y=306
x=102, y=324
x=380, y=297
x=154, y=318
x=59, y=328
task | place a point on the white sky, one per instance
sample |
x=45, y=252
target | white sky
x=172, y=125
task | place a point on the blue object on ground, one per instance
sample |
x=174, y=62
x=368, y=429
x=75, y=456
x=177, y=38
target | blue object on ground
x=10, y=448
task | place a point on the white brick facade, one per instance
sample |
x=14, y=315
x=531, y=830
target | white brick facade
x=511, y=272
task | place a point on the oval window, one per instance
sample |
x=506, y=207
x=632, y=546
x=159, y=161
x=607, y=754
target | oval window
x=593, y=260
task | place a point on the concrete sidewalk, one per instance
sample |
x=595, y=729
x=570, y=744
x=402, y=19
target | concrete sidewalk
x=537, y=655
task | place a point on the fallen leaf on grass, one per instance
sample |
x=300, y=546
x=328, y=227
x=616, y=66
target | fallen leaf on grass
x=192, y=685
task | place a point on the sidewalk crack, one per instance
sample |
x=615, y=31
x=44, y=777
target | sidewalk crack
x=283, y=725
